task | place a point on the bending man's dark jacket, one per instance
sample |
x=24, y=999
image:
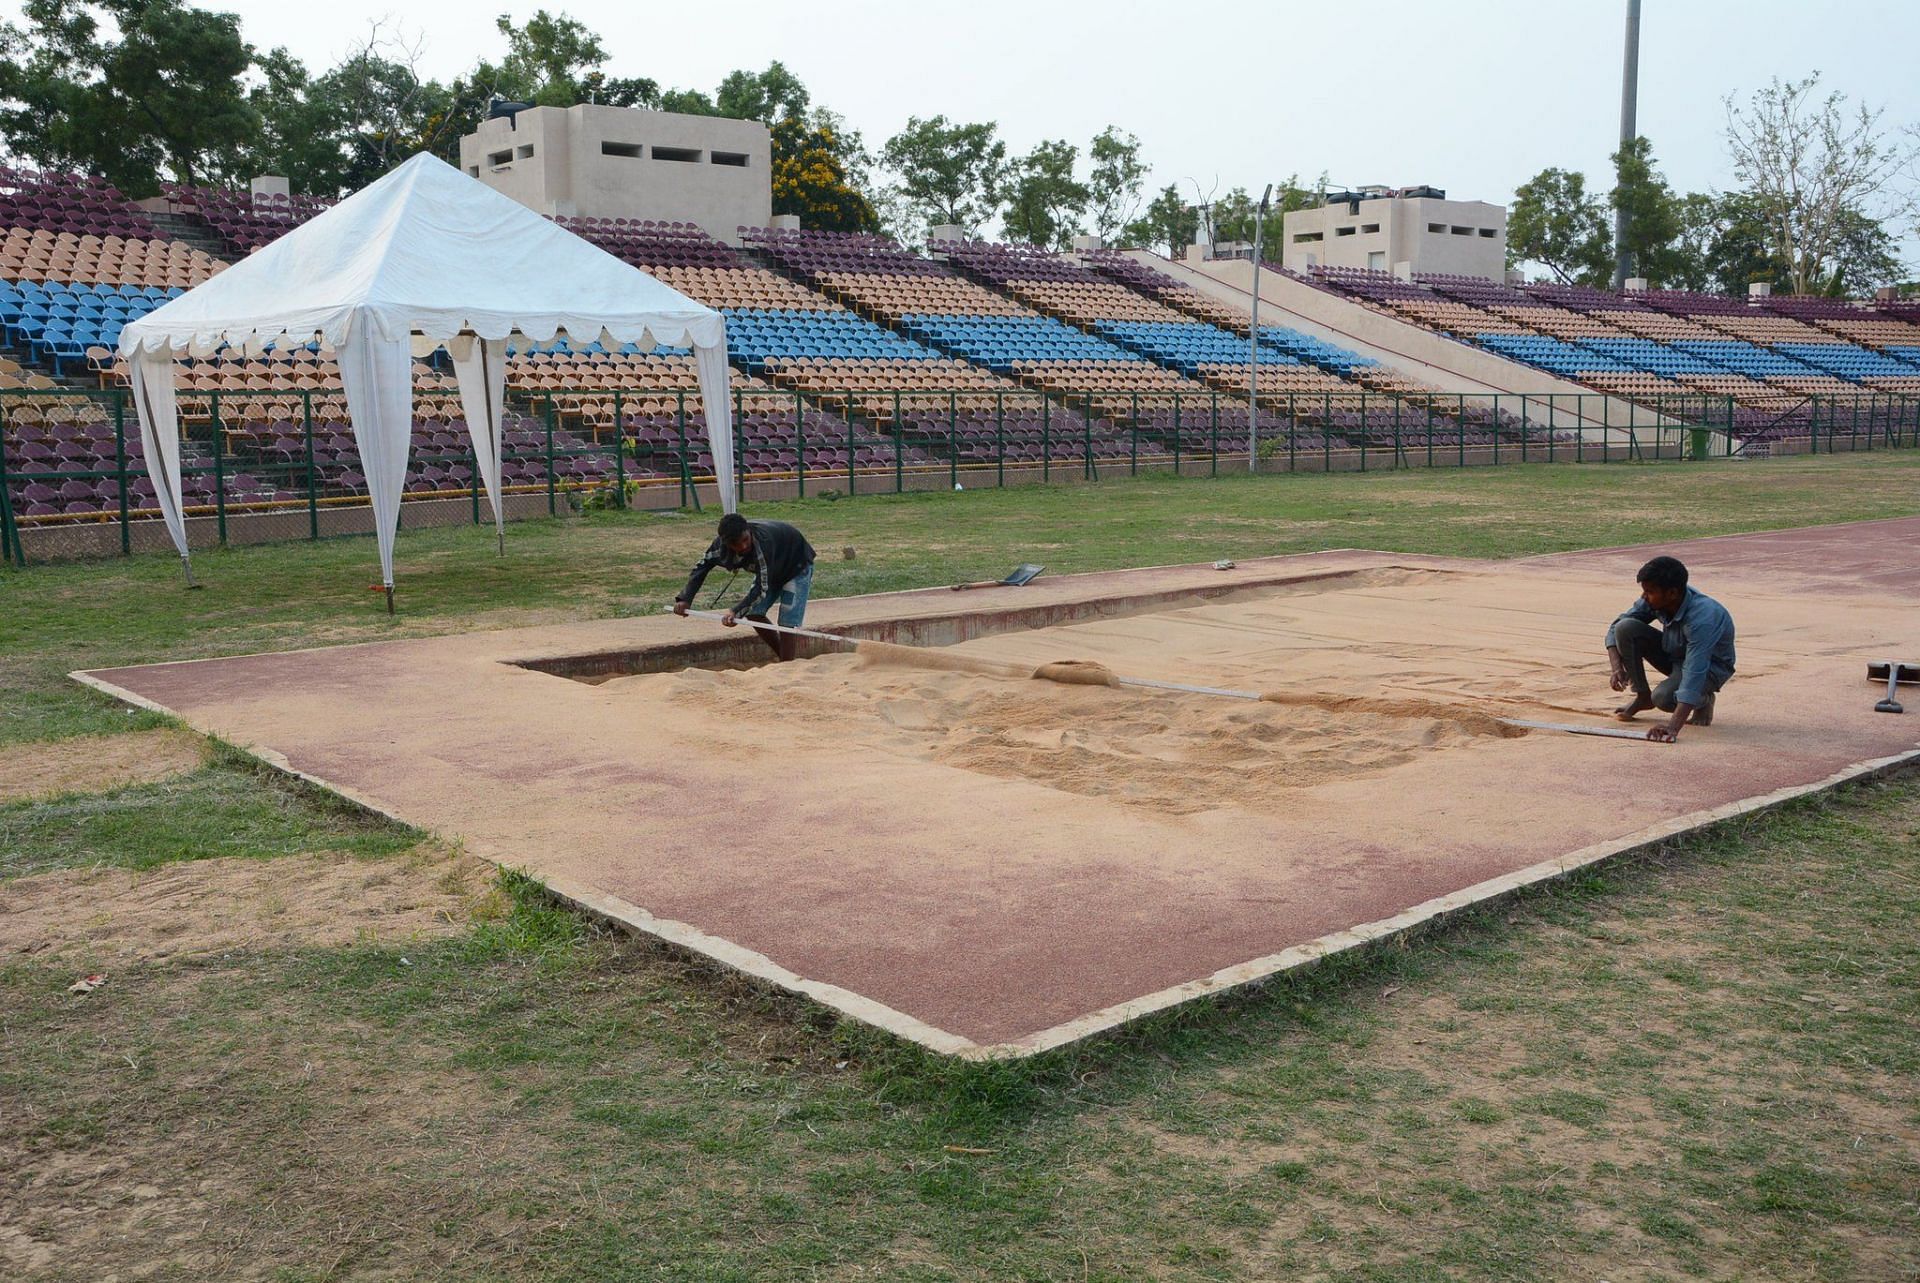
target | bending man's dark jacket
x=779, y=553
x=1698, y=638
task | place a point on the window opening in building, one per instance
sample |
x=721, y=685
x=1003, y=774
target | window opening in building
x=632, y=151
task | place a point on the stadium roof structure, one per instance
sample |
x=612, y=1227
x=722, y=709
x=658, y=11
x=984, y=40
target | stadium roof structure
x=423, y=257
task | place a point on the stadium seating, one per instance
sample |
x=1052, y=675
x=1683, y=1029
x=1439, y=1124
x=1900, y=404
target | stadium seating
x=57, y=322
x=243, y=220
x=1041, y=375
x=68, y=203
x=965, y=398
x=851, y=354
x=1765, y=358
x=40, y=255
x=1184, y=299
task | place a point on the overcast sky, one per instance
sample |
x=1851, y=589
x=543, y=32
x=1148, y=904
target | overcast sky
x=1472, y=95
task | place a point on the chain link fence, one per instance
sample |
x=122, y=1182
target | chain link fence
x=268, y=465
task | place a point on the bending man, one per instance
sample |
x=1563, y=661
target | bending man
x=1693, y=648
x=781, y=560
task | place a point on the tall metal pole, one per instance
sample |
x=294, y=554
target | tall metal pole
x=1629, y=94
x=1253, y=342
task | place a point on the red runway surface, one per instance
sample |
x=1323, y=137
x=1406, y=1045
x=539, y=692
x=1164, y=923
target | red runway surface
x=995, y=889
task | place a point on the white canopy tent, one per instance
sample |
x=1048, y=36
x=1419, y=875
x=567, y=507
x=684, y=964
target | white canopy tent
x=423, y=258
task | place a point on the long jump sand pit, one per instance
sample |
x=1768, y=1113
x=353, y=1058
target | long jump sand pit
x=994, y=865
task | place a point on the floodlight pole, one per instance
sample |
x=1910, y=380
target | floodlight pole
x=1253, y=342
x=1629, y=95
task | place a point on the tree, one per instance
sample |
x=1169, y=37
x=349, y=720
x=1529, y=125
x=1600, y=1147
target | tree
x=1045, y=202
x=813, y=179
x=1815, y=167
x=1113, y=189
x=688, y=102
x=1725, y=244
x=164, y=94
x=298, y=135
x=1168, y=220
x=1235, y=214
x=345, y=128
x=766, y=96
x=1865, y=257
x=1652, y=213
x=819, y=165
x=948, y=173
x=1554, y=222
x=1696, y=244
x=549, y=62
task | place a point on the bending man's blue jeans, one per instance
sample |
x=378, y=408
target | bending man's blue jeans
x=792, y=597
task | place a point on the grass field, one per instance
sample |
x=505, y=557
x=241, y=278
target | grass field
x=1698, y=1065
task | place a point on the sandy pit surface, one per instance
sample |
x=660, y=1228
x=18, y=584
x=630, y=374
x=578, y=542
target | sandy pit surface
x=1353, y=683
x=994, y=864
x=1167, y=751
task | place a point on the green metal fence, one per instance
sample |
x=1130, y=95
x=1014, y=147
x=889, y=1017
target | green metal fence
x=73, y=482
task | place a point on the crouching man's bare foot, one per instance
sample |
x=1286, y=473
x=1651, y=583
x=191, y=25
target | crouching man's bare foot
x=1627, y=712
x=1702, y=714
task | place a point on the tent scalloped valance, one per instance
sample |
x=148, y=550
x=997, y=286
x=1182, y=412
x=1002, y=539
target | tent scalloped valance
x=198, y=340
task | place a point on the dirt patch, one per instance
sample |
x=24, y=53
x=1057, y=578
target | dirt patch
x=96, y=763
x=190, y=1178
x=110, y=917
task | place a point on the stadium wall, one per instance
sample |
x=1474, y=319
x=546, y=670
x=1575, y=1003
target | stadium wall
x=589, y=161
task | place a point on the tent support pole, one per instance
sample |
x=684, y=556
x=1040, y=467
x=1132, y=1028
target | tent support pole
x=500, y=538
x=389, y=588
x=186, y=564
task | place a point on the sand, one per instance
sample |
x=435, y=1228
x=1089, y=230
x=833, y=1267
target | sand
x=1354, y=680
x=975, y=705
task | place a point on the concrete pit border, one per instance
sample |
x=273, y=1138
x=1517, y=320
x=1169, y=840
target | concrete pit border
x=946, y=628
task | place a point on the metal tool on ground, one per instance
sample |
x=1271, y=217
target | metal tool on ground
x=1607, y=732
x=1024, y=573
x=1893, y=673
x=1079, y=672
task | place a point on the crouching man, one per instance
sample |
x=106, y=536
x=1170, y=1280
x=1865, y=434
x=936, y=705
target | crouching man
x=1692, y=649
x=781, y=560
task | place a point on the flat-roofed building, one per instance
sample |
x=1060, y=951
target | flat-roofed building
x=590, y=161
x=1415, y=229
